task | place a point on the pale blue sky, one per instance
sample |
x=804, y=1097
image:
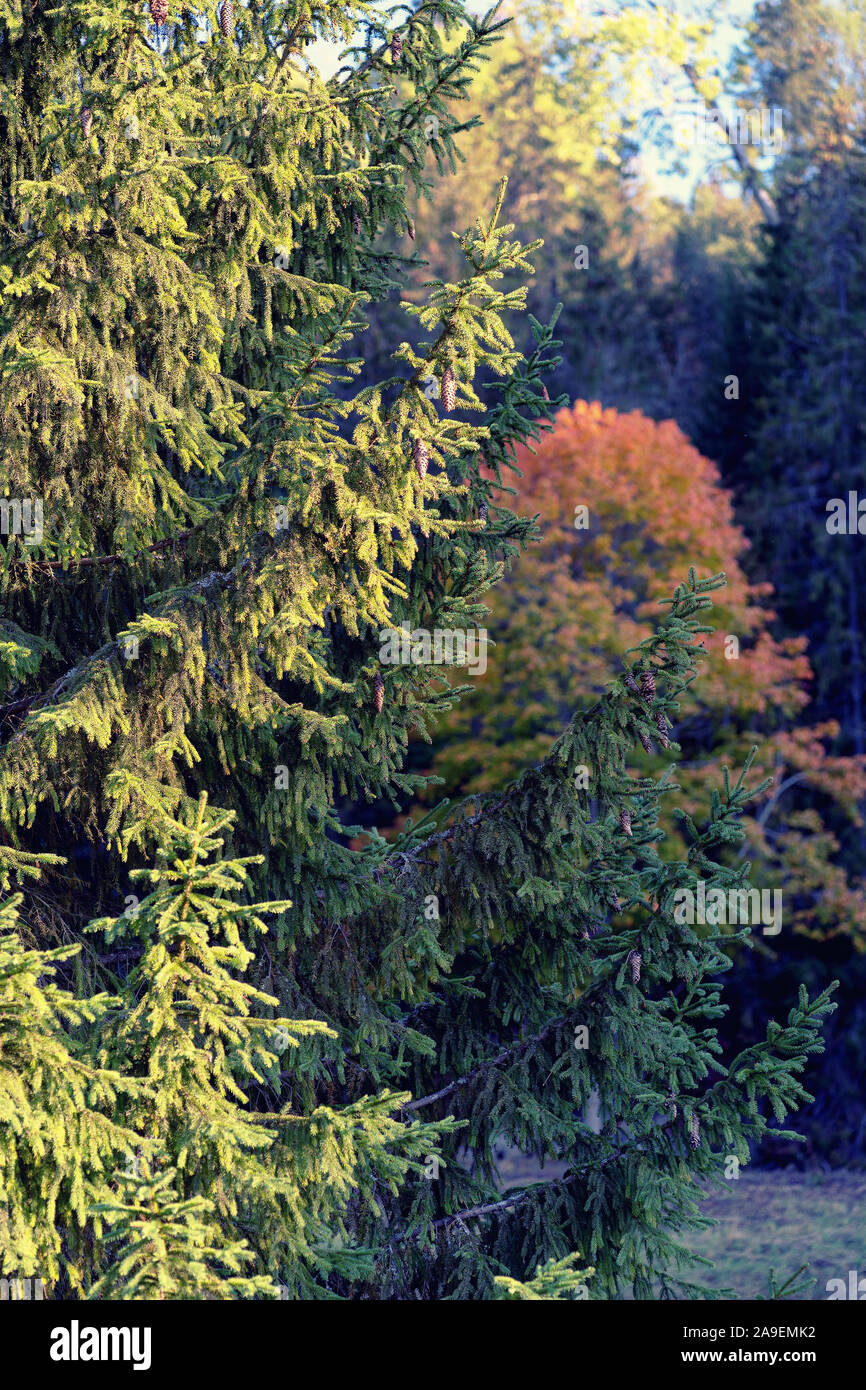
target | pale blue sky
x=732, y=15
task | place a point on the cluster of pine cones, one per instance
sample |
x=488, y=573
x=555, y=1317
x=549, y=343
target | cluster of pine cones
x=159, y=14
x=645, y=687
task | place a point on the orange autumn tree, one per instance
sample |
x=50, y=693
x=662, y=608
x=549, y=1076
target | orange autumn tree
x=624, y=505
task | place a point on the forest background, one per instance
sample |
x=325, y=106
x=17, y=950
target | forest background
x=714, y=341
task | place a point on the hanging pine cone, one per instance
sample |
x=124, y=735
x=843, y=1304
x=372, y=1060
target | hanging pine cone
x=635, y=962
x=645, y=740
x=448, y=391
x=631, y=683
x=482, y=513
x=694, y=1132
x=625, y=821
x=544, y=393
x=356, y=222
x=614, y=901
x=672, y=1105
x=86, y=122
x=159, y=11
x=661, y=725
x=378, y=692
x=411, y=229
x=227, y=18
x=396, y=48
x=420, y=458
x=648, y=684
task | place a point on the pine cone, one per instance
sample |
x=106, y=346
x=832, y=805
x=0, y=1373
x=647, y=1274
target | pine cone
x=411, y=229
x=396, y=48
x=544, y=393
x=448, y=391
x=661, y=725
x=482, y=513
x=635, y=961
x=648, y=685
x=378, y=692
x=631, y=683
x=614, y=900
x=694, y=1132
x=420, y=458
x=673, y=1105
x=159, y=11
x=227, y=17
x=645, y=740
x=86, y=121
x=356, y=223
x=625, y=821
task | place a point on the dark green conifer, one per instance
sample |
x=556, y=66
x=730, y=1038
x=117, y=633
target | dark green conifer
x=193, y=616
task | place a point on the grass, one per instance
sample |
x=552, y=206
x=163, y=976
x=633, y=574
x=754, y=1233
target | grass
x=781, y=1219
x=774, y=1219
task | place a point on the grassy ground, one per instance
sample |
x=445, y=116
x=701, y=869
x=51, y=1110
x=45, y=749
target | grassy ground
x=781, y=1220
x=777, y=1219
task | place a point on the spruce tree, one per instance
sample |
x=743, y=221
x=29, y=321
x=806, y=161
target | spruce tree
x=170, y=1248
x=210, y=525
x=60, y=1138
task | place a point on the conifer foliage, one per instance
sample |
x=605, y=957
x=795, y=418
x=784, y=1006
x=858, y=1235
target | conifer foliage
x=59, y=1139
x=284, y=1066
x=169, y=1248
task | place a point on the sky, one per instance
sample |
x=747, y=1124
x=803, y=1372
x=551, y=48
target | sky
x=730, y=29
x=732, y=16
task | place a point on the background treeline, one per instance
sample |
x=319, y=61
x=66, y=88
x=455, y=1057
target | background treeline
x=737, y=316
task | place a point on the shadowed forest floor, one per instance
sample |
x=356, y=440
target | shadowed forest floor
x=773, y=1219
